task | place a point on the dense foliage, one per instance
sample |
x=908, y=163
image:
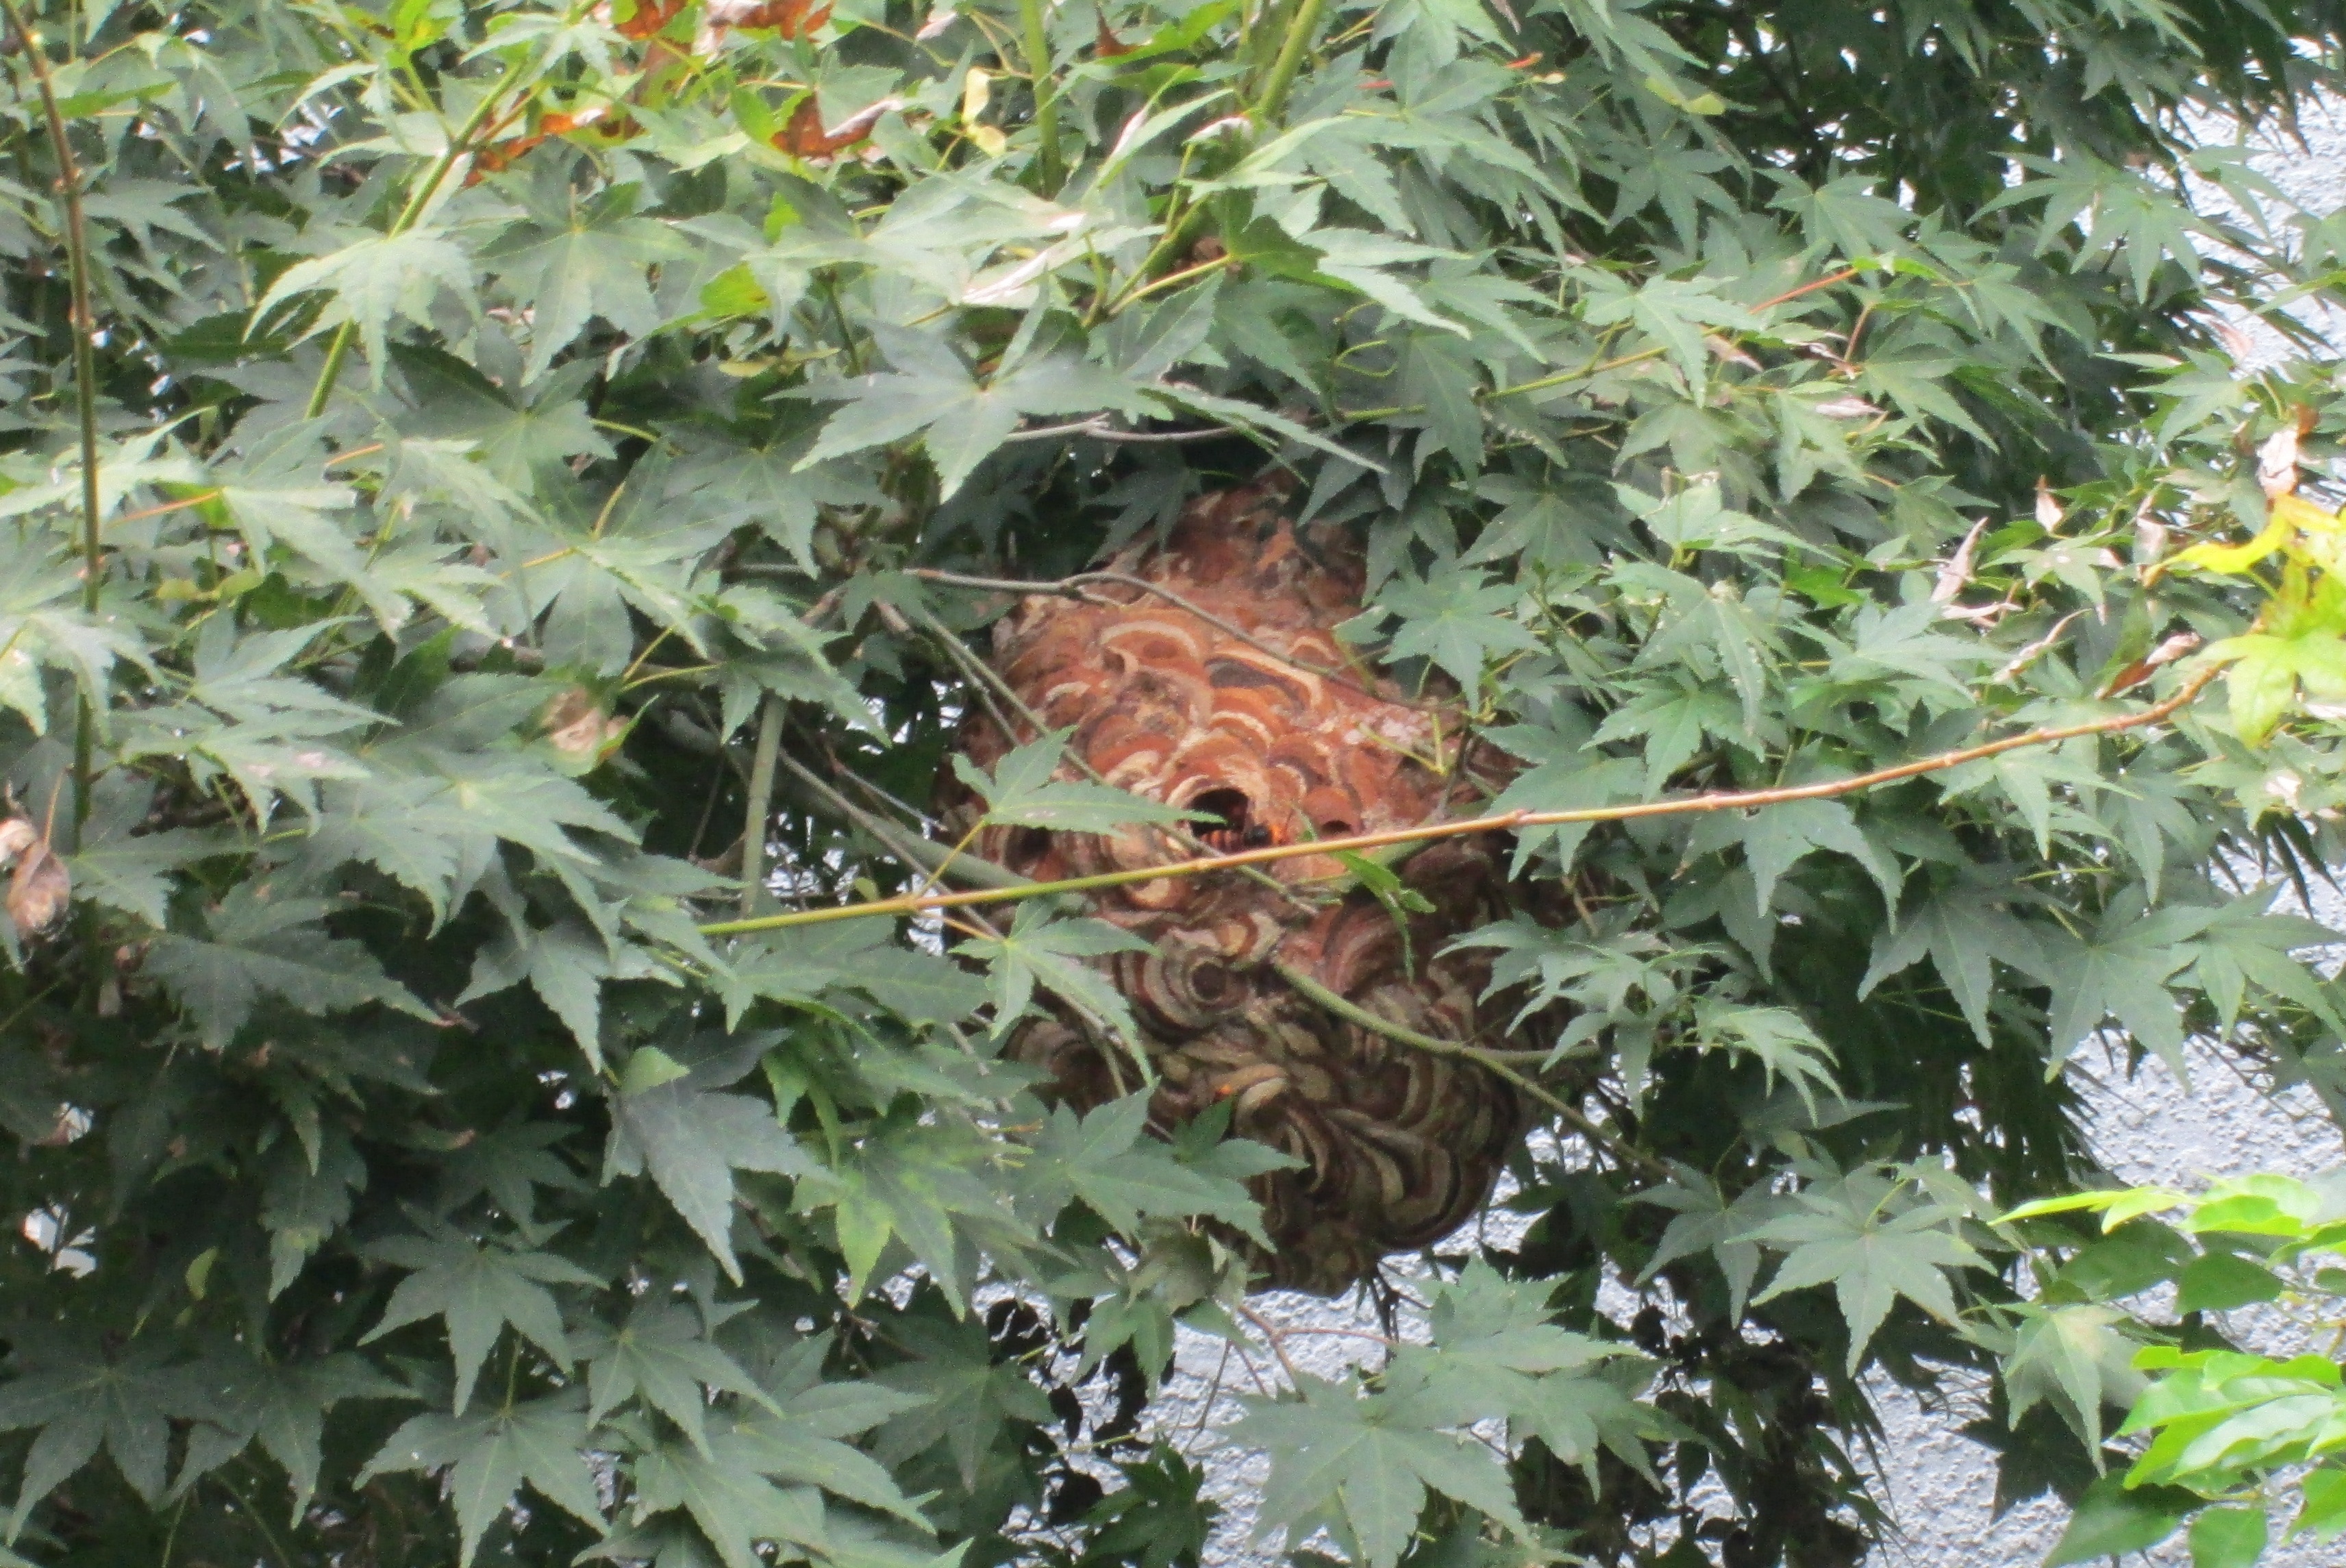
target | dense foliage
x=520, y=431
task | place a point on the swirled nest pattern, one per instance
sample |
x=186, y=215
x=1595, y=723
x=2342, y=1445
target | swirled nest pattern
x=1283, y=737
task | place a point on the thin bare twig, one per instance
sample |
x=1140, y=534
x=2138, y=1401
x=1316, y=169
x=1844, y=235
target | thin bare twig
x=1506, y=821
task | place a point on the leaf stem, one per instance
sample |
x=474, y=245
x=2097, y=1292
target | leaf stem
x=1352, y=1011
x=418, y=200
x=1505, y=821
x=84, y=350
x=1135, y=294
x=1046, y=103
x=1561, y=377
x=260, y=1522
x=1291, y=50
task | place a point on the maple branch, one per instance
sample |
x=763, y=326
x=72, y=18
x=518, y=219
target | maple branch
x=1046, y=101
x=84, y=354
x=759, y=818
x=1301, y=30
x=1503, y=823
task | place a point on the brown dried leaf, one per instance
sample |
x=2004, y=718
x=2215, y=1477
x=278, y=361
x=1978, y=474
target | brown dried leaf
x=648, y=18
x=1955, y=576
x=577, y=726
x=790, y=18
x=40, y=890
x=2276, y=463
x=806, y=136
x=2135, y=674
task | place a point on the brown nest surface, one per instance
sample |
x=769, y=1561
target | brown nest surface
x=1231, y=695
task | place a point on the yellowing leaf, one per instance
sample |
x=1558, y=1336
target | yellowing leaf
x=976, y=91
x=2237, y=558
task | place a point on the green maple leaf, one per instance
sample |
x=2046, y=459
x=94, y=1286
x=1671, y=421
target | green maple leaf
x=2114, y=1520
x=965, y=1396
x=490, y=1454
x=1160, y=1518
x=1494, y=1350
x=765, y=487
x=2123, y=969
x=254, y=945
x=960, y=419
x=782, y=1446
x=833, y=1409
x=277, y=494
x=1457, y=619
x=1674, y=723
x=515, y=438
x=1107, y=1159
x=1673, y=313
x=375, y=279
x=1578, y=1415
x=1852, y=1234
x=477, y=1288
x=78, y=1399
x=1039, y=950
x=1364, y=1464
x=580, y=260
x=252, y=675
x=1777, y=838
x=2265, y=672
x=1565, y=778
x=1021, y=793
x=2245, y=946
x=674, y=1123
x=1780, y=1038
x=1706, y=1220
x=432, y=816
x=1905, y=647
x=915, y=1180
x=2074, y=1356
x=305, y=1198
x=660, y=1356
x=1964, y=930
x=126, y=870
x=508, y=1163
x=282, y=1405
x=724, y=1492
x=566, y=963
x=1493, y=1344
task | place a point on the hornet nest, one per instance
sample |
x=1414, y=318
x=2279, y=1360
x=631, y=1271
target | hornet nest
x=1280, y=736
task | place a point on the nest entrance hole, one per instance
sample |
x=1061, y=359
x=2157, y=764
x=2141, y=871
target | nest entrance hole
x=1236, y=827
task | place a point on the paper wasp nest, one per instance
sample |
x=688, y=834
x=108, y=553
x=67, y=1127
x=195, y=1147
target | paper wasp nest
x=1283, y=737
